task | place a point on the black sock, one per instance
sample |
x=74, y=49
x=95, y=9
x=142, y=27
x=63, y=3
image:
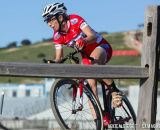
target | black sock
x=113, y=85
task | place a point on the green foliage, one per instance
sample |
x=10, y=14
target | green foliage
x=25, y=42
x=12, y=45
x=125, y=60
x=41, y=55
x=25, y=52
x=36, y=52
x=117, y=41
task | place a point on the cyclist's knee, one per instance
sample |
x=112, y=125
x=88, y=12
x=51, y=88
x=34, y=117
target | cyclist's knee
x=99, y=55
x=92, y=82
x=108, y=81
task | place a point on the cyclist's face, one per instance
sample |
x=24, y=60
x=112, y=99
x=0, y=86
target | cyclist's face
x=53, y=23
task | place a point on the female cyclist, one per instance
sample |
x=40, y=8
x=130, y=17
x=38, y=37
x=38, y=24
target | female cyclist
x=68, y=27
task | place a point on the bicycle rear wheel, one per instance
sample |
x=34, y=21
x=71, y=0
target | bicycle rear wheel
x=123, y=117
x=61, y=103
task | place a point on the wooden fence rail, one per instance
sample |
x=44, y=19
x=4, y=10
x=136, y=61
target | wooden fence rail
x=148, y=72
x=71, y=71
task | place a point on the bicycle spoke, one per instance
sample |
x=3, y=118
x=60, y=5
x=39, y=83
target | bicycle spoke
x=66, y=111
x=65, y=99
x=124, y=115
x=83, y=118
x=121, y=111
x=63, y=103
x=68, y=117
x=74, y=117
x=88, y=121
x=87, y=112
x=75, y=120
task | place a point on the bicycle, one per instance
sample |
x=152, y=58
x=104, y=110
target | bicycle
x=71, y=99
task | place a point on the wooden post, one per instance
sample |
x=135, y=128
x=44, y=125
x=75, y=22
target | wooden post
x=147, y=105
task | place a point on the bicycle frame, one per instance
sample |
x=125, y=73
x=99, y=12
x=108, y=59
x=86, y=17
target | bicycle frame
x=106, y=94
x=77, y=96
x=79, y=92
x=76, y=93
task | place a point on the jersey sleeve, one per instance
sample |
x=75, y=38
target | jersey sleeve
x=79, y=21
x=58, y=41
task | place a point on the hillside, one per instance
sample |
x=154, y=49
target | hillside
x=36, y=52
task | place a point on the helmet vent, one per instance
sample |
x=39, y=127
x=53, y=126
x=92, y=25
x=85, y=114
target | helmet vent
x=49, y=8
x=53, y=9
x=59, y=6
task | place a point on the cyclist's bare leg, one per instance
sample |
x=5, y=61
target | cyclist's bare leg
x=99, y=54
x=93, y=85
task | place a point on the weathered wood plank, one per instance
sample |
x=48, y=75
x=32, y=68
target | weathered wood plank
x=147, y=106
x=71, y=71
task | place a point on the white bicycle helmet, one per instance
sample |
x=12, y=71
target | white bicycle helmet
x=53, y=10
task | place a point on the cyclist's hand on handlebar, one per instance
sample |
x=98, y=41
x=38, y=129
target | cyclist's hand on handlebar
x=80, y=44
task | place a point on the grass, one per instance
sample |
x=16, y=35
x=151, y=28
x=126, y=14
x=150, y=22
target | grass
x=117, y=41
x=125, y=60
x=25, y=53
x=36, y=52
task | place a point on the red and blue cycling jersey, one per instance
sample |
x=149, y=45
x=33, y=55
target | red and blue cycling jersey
x=75, y=25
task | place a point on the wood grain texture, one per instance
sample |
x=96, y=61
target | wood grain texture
x=147, y=105
x=71, y=71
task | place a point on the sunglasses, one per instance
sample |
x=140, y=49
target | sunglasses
x=50, y=19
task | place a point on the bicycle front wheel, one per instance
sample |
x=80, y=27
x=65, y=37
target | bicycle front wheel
x=123, y=117
x=62, y=107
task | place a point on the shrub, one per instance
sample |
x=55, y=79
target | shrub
x=25, y=42
x=41, y=55
x=12, y=45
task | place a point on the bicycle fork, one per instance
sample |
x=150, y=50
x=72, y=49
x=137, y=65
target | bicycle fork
x=77, y=101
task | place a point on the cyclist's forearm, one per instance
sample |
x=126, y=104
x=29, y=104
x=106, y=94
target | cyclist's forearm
x=90, y=39
x=90, y=34
x=59, y=55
